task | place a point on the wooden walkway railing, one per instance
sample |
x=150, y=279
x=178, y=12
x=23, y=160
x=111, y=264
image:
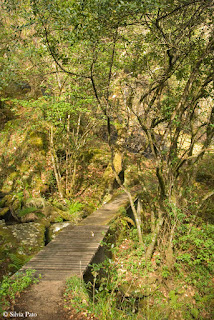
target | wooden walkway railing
x=74, y=247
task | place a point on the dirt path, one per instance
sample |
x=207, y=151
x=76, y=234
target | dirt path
x=42, y=301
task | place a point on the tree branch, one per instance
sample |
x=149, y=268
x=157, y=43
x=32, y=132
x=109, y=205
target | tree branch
x=55, y=58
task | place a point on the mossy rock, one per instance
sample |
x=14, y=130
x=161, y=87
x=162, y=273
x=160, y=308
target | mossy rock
x=7, y=186
x=18, y=243
x=16, y=205
x=4, y=211
x=24, y=168
x=30, y=236
x=35, y=203
x=65, y=215
x=33, y=216
x=8, y=199
x=2, y=202
x=8, y=245
x=13, y=204
x=54, y=214
x=10, y=182
x=7, y=240
x=32, y=210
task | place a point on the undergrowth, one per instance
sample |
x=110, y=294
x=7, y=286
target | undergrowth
x=11, y=287
x=125, y=287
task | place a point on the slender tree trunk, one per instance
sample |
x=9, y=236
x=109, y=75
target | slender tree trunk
x=135, y=213
x=74, y=175
x=55, y=165
x=152, y=221
x=155, y=234
x=67, y=156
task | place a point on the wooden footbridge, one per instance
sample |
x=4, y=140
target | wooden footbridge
x=70, y=253
x=74, y=247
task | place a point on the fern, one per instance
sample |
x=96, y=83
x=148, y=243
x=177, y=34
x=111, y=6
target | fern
x=16, y=261
x=25, y=211
x=75, y=207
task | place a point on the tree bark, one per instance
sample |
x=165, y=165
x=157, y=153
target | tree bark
x=155, y=234
x=55, y=165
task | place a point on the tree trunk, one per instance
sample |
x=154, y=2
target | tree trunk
x=135, y=213
x=67, y=156
x=55, y=165
x=74, y=174
x=155, y=234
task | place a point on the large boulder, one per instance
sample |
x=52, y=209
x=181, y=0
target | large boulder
x=18, y=243
x=33, y=210
x=29, y=236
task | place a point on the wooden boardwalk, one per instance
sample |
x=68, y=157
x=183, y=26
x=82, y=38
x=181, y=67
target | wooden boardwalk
x=74, y=247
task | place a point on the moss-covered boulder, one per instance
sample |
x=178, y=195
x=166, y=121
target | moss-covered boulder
x=4, y=211
x=18, y=243
x=33, y=210
x=54, y=214
x=8, y=245
x=29, y=236
x=10, y=205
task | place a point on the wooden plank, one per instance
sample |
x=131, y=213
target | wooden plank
x=64, y=254
x=68, y=271
x=45, y=263
x=60, y=267
x=63, y=259
x=60, y=256
x=54, y=271
x=60, y=262
x=80, y=243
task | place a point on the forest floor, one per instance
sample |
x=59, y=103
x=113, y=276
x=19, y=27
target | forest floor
x=45, y=300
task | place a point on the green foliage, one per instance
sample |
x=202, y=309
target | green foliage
x=24, y=211
x=197, y=245
x=19, y=195
x=74, y=207
x=10, y=287
x=99, y=298
x=17, y=261
x=165, y=272
x=58, y=219
x=76, y=294
x=78, y=55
